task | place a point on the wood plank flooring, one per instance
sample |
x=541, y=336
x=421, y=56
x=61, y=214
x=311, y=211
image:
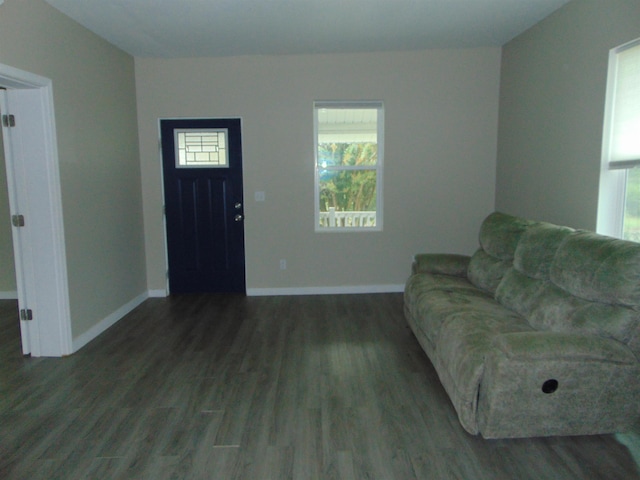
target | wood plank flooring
x=230, y=387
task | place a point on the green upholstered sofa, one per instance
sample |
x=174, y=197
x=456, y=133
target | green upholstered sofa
x=537, y=333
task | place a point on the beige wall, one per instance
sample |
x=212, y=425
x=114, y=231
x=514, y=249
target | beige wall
x=7, y=270
x=439, y=179
x=95, y=108
x=552, y=95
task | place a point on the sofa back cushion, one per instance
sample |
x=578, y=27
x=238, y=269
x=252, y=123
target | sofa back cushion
x=485, y=271
x=598, y=268
x=548, y=307
x=499, y=236
x=537, y=248
x=576, y=282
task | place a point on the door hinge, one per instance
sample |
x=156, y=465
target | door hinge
x=17, y=220
x=26, y=314
x=8, y=121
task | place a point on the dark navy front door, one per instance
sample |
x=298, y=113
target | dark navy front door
x=202, y=166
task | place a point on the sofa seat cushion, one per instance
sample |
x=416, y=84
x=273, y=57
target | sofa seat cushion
x=434, y=298
x=443, y=264
x=542, y=346
x=426, y=282
x=419, y=287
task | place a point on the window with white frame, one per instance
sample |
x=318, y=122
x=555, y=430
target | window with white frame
x=619, y=203
x=348, y=165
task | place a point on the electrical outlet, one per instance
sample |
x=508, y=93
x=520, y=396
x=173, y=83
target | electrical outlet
x=283, y=264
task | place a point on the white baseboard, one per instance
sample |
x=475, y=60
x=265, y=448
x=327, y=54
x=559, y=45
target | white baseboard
x=81, y=340
x=158, y=293
x=10, y=295
x=348, y=289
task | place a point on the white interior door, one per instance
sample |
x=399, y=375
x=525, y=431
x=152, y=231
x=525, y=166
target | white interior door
x=36, y=209
x=15, y=177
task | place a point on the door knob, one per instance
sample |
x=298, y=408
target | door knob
x=238, y=206
x=238, y=218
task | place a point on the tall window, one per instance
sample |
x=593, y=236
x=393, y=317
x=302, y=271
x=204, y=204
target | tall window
x=348, y=165
x=619, y=208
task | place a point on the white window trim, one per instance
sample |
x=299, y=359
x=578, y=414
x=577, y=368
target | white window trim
x=379, y=105
x=613, y=174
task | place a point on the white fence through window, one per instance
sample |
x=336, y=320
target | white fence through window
x=333, y=218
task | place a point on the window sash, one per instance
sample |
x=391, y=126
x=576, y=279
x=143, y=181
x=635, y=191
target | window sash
x=348, y=167
x=624, y=164
x=620, y=147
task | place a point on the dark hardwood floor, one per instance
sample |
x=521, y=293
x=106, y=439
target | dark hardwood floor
x=229, y=387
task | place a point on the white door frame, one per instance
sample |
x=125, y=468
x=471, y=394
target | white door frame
x=33, y=179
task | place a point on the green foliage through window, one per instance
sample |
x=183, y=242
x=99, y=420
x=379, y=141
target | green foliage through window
x=351, y=189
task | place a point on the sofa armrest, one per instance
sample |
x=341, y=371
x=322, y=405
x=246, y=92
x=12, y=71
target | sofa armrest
x=546, y=346
x=441, y=263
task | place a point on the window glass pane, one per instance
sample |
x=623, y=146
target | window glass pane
x=201, y=148
x=348, y=198
x=631, y=229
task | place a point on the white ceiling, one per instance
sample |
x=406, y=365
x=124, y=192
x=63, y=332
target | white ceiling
x=209, y=28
